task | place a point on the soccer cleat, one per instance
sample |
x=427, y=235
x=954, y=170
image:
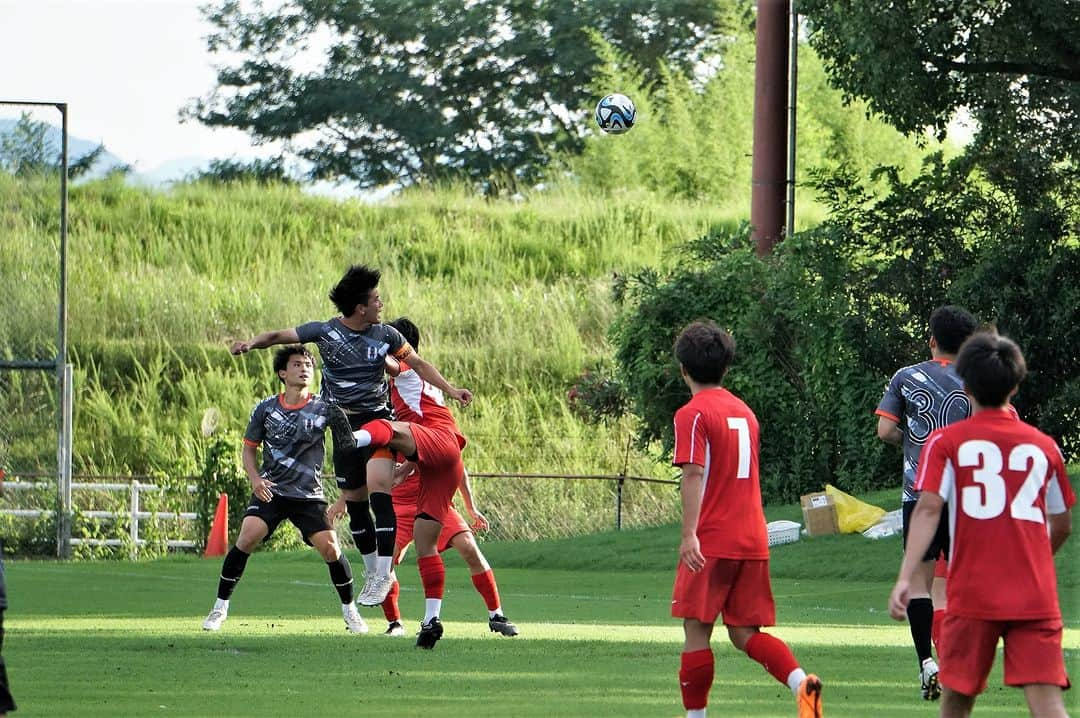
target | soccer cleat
x=499, y=624
x=808, y=699
x=354, y=622
x=214, y=620
x=394, y=629
x=429, y=634
x=340, y=428
x=931, y=686
x=376, y=590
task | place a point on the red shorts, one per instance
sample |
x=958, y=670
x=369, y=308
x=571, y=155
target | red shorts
x=739, y=590
x=452, y=525
x=1032, y=652
x=438, y=454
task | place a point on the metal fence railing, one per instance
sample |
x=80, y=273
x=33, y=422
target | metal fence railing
x=109, y=510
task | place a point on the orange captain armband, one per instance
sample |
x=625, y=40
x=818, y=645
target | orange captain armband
x=404, y=352
x=382, y=452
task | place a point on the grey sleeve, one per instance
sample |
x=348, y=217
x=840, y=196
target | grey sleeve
x=255, y=431
x=309, y=332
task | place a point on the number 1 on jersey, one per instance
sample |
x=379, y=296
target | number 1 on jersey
x=741, y=426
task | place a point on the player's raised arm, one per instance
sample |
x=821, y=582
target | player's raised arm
x=480, y=522
x=427, y=371
x=266, y=339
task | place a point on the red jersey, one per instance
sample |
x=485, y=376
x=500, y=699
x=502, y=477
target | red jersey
x=417, y=402
x=718, y=432
x=1001, y=478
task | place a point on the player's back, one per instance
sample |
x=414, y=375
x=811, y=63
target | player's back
x=922, y=398
x=718, y=431
x=1000, y=478
x=418, y=402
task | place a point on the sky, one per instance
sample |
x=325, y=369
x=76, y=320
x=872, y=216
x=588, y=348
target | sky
x=125, y=68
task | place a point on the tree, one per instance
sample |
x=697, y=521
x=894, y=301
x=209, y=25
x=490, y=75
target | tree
x=27, y=148
x=1014, y=64
x=410, y=90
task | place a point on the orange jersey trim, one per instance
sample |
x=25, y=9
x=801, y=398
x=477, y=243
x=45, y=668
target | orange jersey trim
x=887, y=415
x=249, y=442
x=285, y=405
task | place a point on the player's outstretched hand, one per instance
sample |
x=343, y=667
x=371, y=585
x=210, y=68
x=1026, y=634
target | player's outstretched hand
x=238, y=348
x=898, y=600
x=463, y=396
x=480, y=522
x=690, y=553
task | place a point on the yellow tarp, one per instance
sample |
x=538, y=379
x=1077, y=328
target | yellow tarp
x=852, y=515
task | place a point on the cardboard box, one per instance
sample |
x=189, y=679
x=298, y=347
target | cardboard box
x=819, y=514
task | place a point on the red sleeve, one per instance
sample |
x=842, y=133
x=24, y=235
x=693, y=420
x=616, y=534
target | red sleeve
x=689, y=438
x=935, y=470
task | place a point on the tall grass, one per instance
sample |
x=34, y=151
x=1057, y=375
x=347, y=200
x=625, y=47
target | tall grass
x=513, y=299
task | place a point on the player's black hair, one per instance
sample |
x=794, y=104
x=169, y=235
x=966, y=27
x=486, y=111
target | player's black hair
x=950, y=325
x=410, y=331
x=991, y=366
x=282, y=356
x=705, y=351
x=354, y=288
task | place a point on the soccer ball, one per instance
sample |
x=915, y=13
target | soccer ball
x=616, y=114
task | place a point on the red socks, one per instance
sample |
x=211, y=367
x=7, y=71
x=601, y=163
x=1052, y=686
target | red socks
x=695, y=678
x=390, y=605
x=381, y=432
x=432, y=575
x=773, y=654
x=485, y=584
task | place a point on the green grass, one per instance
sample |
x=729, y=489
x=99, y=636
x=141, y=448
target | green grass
x=123, y=639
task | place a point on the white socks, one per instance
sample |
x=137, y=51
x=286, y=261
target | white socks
x=384, y=565
x=369, y=563
x=432, y=607
x=696, y=713
x=496, y=612
x=795, y=679
x=363, y=437
x=221, y=604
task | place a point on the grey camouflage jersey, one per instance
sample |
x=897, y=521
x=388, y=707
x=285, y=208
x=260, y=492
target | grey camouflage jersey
x=353, y=363
x=921, y=398
x=292, y=444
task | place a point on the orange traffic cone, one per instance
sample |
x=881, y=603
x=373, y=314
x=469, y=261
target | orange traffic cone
x=218, y=540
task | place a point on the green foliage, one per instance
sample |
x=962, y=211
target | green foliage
x=221, y=473
x=793, y=364
x=268, y=171
x=825, y=320
x=26, y=149
x=1011, y=64
x=414, y=90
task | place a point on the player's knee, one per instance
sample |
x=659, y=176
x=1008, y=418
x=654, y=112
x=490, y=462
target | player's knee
x=470, y=552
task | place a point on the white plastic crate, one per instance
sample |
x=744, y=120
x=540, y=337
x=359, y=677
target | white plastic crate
x=781, y=532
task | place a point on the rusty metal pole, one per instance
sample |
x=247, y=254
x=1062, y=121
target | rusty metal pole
x=769, y=169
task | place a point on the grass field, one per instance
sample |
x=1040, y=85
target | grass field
x=124, y=639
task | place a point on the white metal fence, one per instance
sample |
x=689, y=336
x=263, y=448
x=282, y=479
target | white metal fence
x=134, y=512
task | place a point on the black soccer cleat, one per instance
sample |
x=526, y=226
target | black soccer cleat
x=429, y=634
x=340, y=428
x=499, y=624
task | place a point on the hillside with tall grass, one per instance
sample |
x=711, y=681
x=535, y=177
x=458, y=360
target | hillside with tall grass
x=513, y=299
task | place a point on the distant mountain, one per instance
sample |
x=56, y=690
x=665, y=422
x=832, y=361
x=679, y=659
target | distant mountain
x=77, y=147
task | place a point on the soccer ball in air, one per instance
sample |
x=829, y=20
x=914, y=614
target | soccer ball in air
x=616, y=114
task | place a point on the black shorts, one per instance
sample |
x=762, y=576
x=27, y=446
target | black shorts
x=350, y=466
x=308, y=516
x=939, y=545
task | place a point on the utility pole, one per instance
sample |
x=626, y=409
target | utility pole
x=769, y=168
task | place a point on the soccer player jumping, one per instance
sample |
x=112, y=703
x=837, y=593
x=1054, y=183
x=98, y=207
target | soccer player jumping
x=354, y=348
x=1009, y=510
x=724, y=555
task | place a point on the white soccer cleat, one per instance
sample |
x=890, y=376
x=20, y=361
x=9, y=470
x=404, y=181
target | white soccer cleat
x=354, y=622
x=376, y=590
x=931, y=686
x=214, y=620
